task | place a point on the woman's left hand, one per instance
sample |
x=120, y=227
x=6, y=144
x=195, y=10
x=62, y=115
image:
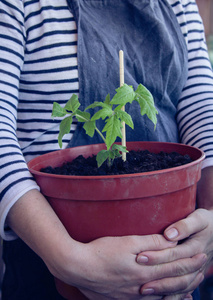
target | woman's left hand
x=195, y=237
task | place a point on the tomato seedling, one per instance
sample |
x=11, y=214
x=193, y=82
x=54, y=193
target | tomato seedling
x=110, y=110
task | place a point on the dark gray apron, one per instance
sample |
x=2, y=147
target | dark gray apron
x=155, y=55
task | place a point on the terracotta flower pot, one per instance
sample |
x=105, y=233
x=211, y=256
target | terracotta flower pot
x=116, y=205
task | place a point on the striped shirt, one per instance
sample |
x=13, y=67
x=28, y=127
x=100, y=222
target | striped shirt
x=38, y=65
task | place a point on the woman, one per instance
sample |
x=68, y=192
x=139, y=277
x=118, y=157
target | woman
x=51, y=49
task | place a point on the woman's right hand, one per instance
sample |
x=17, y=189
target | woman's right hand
x=106, y=268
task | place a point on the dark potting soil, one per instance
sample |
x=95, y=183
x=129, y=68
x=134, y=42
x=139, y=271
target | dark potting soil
x=136, y=162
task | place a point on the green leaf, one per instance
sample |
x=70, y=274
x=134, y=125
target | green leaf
x=113, y=130
x=117, y=153
x=73, y=104
x=125, y=117
x=107, y=99
x=102, y=156
x=82, y=116
x=125, y=94
x=90, y=127
x=112, y=154
x=58, y=110
x=64, y=129
x=102, y=113
x=119, y=148
x=146, y=102
x=97, y=104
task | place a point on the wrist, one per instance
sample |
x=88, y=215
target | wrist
x=68, y=262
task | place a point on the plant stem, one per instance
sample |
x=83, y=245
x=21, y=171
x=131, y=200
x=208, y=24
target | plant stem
x=101, y=135
x=98, y=131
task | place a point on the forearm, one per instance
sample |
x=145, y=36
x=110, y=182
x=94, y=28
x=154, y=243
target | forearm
x=37, y=225
x=205, y=189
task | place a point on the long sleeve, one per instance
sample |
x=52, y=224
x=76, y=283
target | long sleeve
x=38, y=65
x=18, y=180
x=195, y=108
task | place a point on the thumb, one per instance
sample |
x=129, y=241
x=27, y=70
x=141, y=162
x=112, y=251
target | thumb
x=156, y=242
x=184, y=228
x=153, y=242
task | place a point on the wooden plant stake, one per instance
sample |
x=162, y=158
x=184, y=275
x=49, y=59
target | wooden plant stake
x=121, y=67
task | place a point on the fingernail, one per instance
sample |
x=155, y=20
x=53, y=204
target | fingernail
x=172, y=233
x=148, y=291
x=141, y=259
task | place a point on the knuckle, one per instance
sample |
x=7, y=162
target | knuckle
x=156, y=240
x=179, y=269
x=185, y=227
x=172, y=254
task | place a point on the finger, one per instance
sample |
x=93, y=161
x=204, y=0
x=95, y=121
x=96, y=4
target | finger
x=178, y=297
x=188, y=296
x=180, y=267
x=134, y=244
x=172, y=276
x=154, y=297
x=195, y=222
x=153, y=242
x=97, y=296
x=172, y=286
x=185, y=250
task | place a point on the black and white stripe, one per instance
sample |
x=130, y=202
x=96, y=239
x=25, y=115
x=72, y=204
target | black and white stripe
x=195, y=109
